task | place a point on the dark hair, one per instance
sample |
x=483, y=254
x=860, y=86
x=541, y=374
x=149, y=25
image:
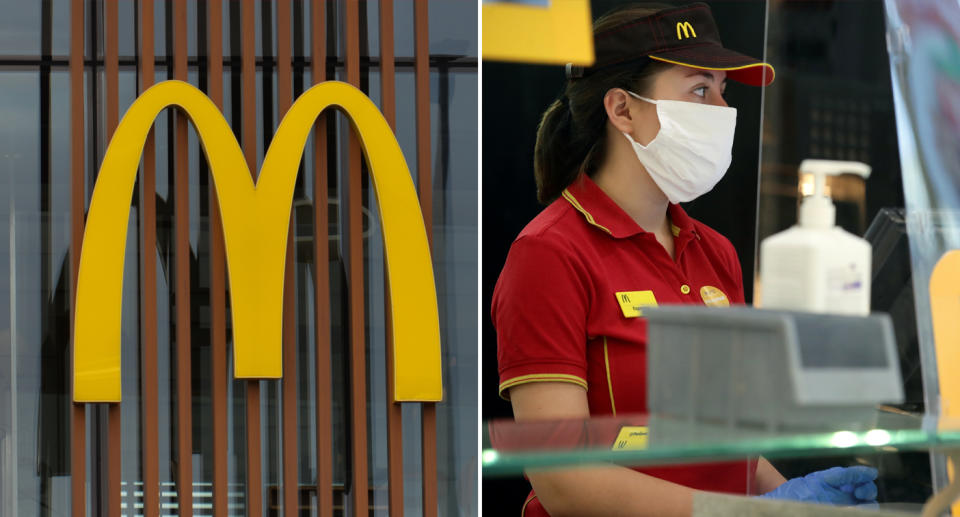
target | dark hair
x=570, y=137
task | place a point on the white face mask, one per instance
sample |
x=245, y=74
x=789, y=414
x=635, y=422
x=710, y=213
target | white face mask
x=692, y=151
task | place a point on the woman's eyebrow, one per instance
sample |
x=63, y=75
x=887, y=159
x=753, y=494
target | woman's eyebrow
x=703, y=73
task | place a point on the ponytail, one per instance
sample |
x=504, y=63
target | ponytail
x=558, y=155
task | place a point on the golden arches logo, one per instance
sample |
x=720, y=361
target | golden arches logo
x=687, y=30
x=255, y=226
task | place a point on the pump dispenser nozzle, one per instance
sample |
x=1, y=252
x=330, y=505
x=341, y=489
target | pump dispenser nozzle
x=817, y=211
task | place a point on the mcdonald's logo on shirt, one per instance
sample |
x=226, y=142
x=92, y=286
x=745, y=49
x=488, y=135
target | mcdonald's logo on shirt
x=256, y=219
x=688, y=31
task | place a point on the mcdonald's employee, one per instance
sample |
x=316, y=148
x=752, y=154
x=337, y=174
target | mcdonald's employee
x=641, y=131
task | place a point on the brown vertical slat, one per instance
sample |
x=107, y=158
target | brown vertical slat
x=289, y=383
x=114, y=425
x=78, y=424
x=394, y=410
x=421, y=29
x=182, y=239
x=321, y=257
x=249, y=136
x=218, y=318
x=358, y=367
x=148, y=288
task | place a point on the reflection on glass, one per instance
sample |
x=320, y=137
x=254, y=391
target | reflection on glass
x=34, y=430
x=454, y=149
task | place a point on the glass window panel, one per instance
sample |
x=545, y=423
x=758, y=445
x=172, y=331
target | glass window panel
x=454, y=131
x=370, y=24
x=406, y=130
x=165, y=263
x=192, y=27
x=336, y=38
x=265, y=13
x=453, y=28
x=374, y=299
x=130, y=408
x=339, y=303
x=33, y=398
x=412, y=459
x=162, y=129
x=20, y=28
x=127, y=26
x=58, y=304
x=61, y=27
x=60, y=169
x=306, y=327
x=403, y=29
x=271, y=422
x=230, y=12
x=160, y=29
x=260, y=114
x=194, y=155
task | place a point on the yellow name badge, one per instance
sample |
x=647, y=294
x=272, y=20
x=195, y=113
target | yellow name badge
x=631, y=302
x=631, y=439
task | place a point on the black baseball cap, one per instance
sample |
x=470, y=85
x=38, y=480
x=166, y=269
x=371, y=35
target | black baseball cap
x=686, y=36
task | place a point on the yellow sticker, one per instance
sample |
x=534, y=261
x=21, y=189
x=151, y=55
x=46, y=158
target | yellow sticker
x=632, y=301
x=552, y=33
x=713, y=297
x=631, y=439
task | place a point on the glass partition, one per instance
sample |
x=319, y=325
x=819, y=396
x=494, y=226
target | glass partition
x=924, y=48
x=833, y=99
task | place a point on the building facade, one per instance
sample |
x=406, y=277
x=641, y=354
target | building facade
x=188, y=437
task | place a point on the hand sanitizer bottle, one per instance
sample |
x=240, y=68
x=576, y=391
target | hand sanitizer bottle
x=816, y=266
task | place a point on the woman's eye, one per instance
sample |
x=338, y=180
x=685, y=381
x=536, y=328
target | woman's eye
x=700, y=92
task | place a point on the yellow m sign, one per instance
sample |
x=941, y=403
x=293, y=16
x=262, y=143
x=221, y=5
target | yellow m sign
x=255, y=224
x=687, y=30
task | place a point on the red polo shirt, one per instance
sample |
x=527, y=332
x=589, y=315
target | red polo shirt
x=568, y=302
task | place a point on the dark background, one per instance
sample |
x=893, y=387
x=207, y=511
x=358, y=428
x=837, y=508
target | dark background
x=829, y=56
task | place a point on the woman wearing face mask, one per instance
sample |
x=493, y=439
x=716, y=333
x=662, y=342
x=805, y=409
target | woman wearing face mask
x=642, y=130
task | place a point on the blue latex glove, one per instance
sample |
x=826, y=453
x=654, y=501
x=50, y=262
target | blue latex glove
x=838, y=485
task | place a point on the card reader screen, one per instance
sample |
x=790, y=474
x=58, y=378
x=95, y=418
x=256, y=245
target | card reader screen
x=827, y=345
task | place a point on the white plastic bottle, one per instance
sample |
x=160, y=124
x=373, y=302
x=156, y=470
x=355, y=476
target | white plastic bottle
x=816, y=266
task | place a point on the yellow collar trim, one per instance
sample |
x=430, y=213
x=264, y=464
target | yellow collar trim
x=576, y=204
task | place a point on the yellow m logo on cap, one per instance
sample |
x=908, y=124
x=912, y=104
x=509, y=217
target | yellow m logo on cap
x=255, y=225
x=687, y=30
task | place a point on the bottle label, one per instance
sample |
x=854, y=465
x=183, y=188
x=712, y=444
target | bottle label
x=845, y=287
